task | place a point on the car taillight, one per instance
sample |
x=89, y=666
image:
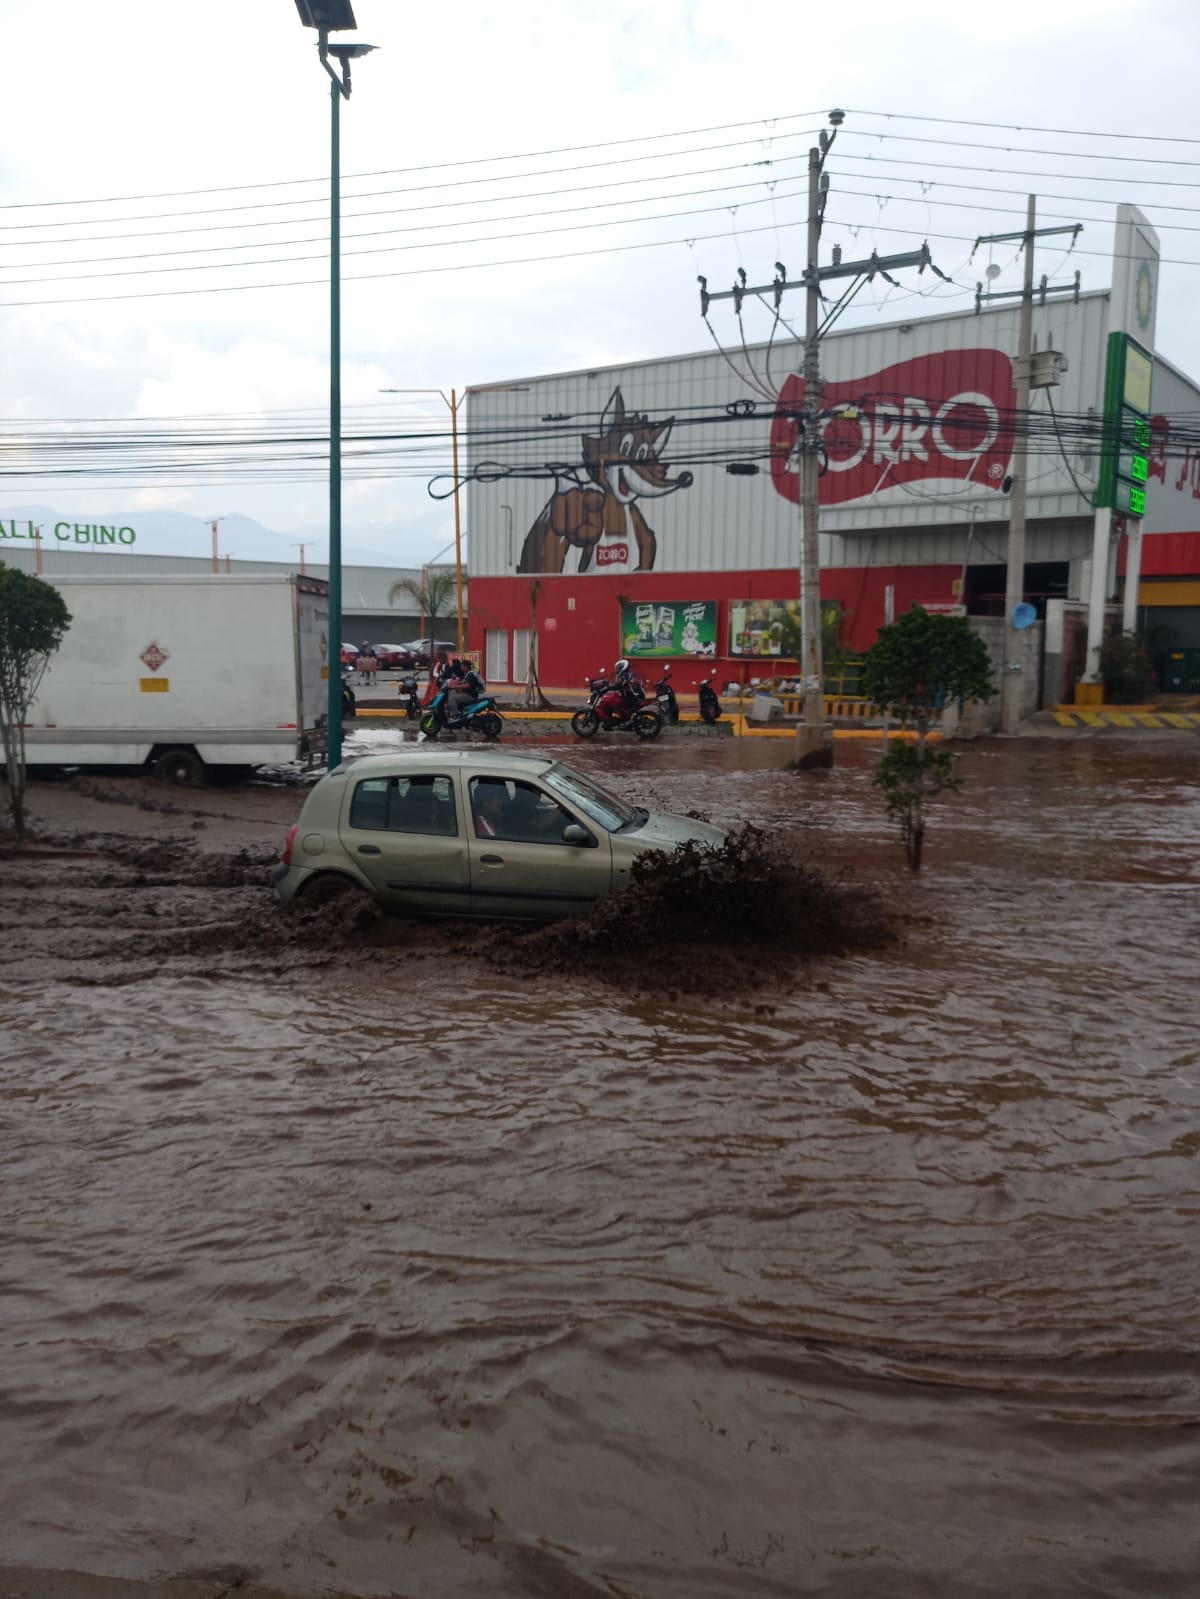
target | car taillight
x=288, y=842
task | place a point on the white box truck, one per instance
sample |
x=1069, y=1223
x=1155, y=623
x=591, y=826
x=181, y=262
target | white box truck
x=186, y=676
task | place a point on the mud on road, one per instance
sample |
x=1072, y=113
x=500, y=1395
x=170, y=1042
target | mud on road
x=338, y=1266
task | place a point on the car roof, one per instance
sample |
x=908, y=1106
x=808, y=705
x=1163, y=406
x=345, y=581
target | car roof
x=441, y=759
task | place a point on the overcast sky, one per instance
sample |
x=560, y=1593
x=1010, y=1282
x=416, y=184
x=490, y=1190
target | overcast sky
x=106, y=106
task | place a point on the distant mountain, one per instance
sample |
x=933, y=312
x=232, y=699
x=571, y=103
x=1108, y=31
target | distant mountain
x=152, y=532
x=163, y=532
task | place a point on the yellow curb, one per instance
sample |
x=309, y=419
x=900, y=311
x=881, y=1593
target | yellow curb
x=1065, y=719
x=1146, y=719
x=1090, y=718
x=742, y=729
x=1113, y=720
x=1176, y=720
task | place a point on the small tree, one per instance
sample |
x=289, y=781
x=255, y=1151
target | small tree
x=534, y=698
x=1125, y=669
x=435, y=594
x=915, y=668
x=33, y=619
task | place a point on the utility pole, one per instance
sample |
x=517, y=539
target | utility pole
x=301, y=547
x=814, y=741
x=1014, y=580
x=814, y=737
x=1014, y=577
x=216, y=559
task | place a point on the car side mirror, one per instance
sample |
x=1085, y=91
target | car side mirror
x=574, y=834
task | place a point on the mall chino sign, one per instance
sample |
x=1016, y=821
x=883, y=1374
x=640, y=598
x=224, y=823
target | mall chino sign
x=69, y=533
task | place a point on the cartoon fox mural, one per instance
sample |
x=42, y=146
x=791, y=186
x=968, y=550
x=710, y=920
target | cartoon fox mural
x=594, y=508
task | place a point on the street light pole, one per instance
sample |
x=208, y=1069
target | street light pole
x=326, y=16
x=452, y=404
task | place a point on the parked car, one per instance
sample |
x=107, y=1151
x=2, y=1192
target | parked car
x=478, y=833
x=393, y=657
x=349, y=654
x=420, y=649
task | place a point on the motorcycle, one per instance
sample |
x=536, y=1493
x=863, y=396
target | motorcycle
x=619, y=710
x=407, y=687
x=481, y=716
x=710, y=705
x=664, y=695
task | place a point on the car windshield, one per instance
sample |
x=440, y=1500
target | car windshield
x=594, y=801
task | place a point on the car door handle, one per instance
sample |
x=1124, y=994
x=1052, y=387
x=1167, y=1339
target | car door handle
x=369, y=849
x=491, y=860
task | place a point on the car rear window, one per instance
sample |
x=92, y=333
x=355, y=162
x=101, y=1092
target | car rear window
x=418, y=804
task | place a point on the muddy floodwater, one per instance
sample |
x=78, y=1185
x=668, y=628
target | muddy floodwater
x=346, y=1268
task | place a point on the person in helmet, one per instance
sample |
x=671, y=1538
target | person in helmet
x=626, y=693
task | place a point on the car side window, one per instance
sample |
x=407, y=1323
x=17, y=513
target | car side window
x=522, y=813
x=423, y=803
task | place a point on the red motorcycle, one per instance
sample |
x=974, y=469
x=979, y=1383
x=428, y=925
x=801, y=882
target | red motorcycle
x=618, y=705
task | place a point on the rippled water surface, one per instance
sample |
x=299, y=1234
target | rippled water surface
x=404, y=1278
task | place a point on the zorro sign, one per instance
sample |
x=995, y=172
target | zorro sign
x=946, y=416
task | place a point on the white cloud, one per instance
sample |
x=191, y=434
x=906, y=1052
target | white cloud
x=175, y=100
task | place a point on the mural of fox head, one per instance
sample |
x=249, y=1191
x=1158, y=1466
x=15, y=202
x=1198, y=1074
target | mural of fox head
x=625, y=458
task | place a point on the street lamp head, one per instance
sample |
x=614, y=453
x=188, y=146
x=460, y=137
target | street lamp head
x=329, y=16
x=350, y=52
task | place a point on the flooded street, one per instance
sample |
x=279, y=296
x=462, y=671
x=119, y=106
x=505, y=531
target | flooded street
x=348, y=1269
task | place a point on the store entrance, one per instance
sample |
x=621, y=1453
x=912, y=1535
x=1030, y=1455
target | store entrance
x=1044, y=580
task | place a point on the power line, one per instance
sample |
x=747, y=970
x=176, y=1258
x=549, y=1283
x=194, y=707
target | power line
x=1015, y=172
x=434, y=166
x=961, y=238
x=1020, y=149
x=435, y=205
x=928, y=184
x=404, y=272
x=421, y=188
x=1004, y=210
x=380, y=233
x=1017, y=127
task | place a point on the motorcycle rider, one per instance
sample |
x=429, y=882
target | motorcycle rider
x=464, y=687
x=625, y=694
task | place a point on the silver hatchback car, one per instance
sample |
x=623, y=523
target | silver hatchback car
x=476, y=832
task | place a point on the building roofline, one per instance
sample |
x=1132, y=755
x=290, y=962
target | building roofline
x=751, y=350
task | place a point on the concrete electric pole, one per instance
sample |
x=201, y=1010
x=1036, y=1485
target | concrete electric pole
x=216, y=559
x=1014, y=581
x=814, y=736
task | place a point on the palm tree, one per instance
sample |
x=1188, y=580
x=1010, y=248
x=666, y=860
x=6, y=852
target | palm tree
x=435, y=594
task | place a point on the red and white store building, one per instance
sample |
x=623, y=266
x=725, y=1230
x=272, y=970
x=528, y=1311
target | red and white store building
x=612, y=488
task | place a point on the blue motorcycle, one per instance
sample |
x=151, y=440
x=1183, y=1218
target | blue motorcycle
x=481, y=716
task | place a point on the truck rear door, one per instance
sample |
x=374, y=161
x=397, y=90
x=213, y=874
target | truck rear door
x=313, y=662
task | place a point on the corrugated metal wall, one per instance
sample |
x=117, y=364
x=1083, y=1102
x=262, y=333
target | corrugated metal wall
x=519, y=432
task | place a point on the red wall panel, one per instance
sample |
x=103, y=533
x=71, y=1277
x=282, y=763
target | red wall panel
x=579, y=617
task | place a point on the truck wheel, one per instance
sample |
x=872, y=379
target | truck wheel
x=183, y=768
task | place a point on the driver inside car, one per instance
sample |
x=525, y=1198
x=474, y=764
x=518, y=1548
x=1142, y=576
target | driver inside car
x=515, y=811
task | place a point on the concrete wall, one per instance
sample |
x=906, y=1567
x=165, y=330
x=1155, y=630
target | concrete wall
x=978, y=719
x=1066, y=647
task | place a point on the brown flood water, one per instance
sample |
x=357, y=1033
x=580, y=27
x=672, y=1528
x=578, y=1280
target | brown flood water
x=349, y=1271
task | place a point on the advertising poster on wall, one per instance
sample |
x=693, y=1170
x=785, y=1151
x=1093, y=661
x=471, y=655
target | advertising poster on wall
x=680, y=627
x=773, y=627
x=764, y=627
